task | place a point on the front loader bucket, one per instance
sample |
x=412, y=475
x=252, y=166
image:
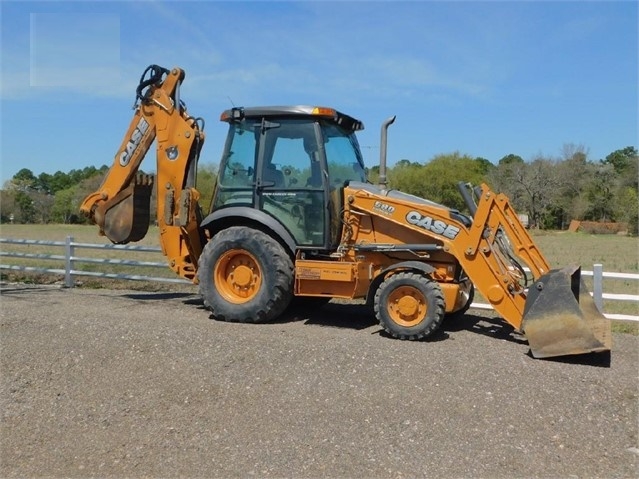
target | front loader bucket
x=560, y=317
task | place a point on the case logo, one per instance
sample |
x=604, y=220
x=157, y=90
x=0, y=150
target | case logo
x=434, y=226
x=136, y=137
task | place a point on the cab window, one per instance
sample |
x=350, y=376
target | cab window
x=240, y=157
x=342, y=155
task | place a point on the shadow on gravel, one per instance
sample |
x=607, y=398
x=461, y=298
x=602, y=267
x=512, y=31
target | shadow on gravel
x=356, y=316
x=493, y=327
x=190, y=298
x=351, y=316
x=499, y=329
x=600, y=360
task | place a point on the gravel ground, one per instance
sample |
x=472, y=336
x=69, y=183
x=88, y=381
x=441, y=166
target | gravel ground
x=102, y=383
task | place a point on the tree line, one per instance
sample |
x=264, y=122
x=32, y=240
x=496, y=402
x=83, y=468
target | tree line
x=552, y=191
x=56, y=198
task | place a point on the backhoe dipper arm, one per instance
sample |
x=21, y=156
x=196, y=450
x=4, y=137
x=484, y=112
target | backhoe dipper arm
x=121, y=207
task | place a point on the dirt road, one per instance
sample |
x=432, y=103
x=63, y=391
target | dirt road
x=99, y=383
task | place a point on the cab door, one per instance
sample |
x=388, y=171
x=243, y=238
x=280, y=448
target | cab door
x=291, y=180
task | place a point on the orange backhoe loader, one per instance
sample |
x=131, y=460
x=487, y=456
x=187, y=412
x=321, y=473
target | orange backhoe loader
x=293, y=216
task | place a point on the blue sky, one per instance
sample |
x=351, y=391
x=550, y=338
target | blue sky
x=483, y=78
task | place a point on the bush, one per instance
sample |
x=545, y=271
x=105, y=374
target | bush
x=602, y=228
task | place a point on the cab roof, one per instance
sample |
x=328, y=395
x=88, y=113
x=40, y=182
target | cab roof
x=296, y=111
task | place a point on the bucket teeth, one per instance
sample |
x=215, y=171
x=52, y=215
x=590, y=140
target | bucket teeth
x=560, y=317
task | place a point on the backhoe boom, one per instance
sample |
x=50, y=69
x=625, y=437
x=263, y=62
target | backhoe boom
x=121, y=206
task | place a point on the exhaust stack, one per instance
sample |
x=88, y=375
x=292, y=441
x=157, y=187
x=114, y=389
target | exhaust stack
x=382, y=152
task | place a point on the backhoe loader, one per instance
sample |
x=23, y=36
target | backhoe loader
x=293, y=215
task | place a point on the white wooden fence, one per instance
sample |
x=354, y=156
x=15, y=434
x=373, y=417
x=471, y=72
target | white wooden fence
x=597, y=293
x=69, y=259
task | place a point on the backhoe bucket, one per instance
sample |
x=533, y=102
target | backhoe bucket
x=561, y=318
x=125, y=217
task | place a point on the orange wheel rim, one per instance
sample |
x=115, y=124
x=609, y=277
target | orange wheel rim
x=407, y=306
x=237, y=276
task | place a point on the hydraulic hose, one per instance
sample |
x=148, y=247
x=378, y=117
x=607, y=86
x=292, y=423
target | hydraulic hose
x=156, y=74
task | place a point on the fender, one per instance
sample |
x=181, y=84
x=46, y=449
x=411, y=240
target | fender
x=404, y=265
x=243, y=213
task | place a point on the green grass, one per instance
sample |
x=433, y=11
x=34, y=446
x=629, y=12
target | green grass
x=616, y=253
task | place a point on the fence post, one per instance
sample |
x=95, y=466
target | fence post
x=68, y=262
x=597, y=288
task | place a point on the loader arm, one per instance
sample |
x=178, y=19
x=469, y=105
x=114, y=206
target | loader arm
x=121, y=206
x=552, y=307
x=479, y=248
x=554, y=310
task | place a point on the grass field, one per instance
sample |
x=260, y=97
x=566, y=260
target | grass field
x=616, y=253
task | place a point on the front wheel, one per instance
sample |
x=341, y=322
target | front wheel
x=245, y=276
x=409, y=305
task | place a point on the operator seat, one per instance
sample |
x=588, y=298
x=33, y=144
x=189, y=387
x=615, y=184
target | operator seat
x=273, y=175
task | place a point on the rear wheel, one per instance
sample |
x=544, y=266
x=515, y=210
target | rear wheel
x=409, y=305
x=245, y=276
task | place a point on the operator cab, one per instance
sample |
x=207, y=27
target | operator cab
x=292, y=164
